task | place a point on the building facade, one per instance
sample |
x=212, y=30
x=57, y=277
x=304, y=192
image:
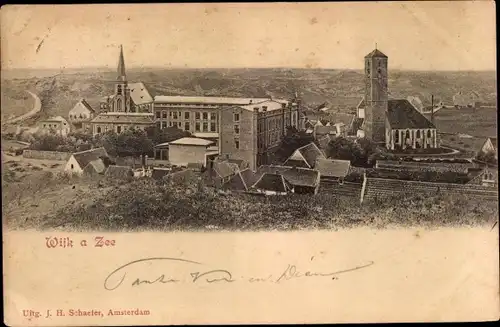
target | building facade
x=57, y=125
x=253, y=132
x=396, y=123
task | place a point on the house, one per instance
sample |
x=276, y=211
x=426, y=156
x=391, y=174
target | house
x=57, y=125
x=188, y=150
x=332, y=169
x=465, y=99
x=119, y=172
x=95, y=168
x=303, y=180
x=242, y=181
x=486, y=177
x=272, y=184
x=490, y=146
x=305, y=156
x=80, y=113
x=120, y=121
x=220, y=173
x=79, y=160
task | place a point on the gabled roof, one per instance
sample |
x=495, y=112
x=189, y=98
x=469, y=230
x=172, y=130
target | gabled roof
x=242, y=181
x=97, y=166
x=494, y=142
x=139, y=93
x=85, y=157
x=307, y=153
x=124, y=172
x=333, y=168
x=401, y=114
x=191, y=141
x=272, y=182
x=302, y=177
x=225, y=169
x=376, y=53
x=85, y=104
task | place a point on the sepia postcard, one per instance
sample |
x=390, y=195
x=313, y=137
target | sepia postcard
x=249, y=163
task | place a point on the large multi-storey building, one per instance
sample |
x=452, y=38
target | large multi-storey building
x=253, y=132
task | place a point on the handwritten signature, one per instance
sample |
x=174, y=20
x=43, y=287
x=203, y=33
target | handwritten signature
x=118, y=276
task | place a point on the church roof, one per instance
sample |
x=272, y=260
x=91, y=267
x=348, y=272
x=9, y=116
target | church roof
x=124, y=117
x=401, y=114
x=139, y=93
x=376, y=53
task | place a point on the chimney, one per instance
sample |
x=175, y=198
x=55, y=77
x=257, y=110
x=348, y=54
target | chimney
x=264, y=108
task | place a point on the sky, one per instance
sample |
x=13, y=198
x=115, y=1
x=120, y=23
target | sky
x=414, y=35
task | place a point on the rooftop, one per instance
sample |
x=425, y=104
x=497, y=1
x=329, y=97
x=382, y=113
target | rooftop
x=376, y=54
x=268, y=105
x=332, y=168
x=206, y=135
x=401, y=114
x=55, y=119
x=124, y=117
x=191, y=141
x=139, y=93
x=85, y=157
x=207, y=100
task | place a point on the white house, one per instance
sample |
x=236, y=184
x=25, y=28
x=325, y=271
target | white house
x=188, y=150
x=82, y=111
x=79, y=160
x=57, y=125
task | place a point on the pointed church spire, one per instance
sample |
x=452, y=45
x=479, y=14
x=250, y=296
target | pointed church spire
x=121, y=66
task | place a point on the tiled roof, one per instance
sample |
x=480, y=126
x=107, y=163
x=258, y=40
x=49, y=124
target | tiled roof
x=242, y=181
x=124, y=172
x=308, y=153
x=325, y=130
x=272, y=182
x=333, y=168
x=207, y=100
x=139, y=93
x=225, y=169
x=376, y=53
x=401, y=115
x=56, y=119
x=97, y=166
x=124, y=117
x=191, y=141
x=85, y=157
x=302, y=177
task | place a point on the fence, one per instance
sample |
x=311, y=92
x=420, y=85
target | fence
x=46, y=155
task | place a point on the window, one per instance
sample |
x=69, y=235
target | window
x=197, y=115
x=186, y=126
x=418, y=133
x=44, y=125
x=186, y=115
x=170, y=113
x=197, y=127
x=205, y=127
x=205, y=116
x=212, y=127
x=118, y=129
x=237, y=143
x=72, y=166
x=396, y=137
x=213, y=116
x=236, y=117
x=170, y=124
x=98, y=130
x=164, y=114
x=118, y=89
x=158, y=115
x=179, y=124
x=175, y=114
x=429, y=133
x=236, y=129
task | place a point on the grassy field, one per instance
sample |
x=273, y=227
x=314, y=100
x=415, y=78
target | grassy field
x=480, y=122
x=15, y=101
x=45, y=200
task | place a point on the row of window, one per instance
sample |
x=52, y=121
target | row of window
x=81, y=116
x=419, y=134
x=198, y=127
x=178, y=115
x=118, y=128
x=185, y=105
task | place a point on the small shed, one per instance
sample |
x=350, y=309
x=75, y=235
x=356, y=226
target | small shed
x=187, y=150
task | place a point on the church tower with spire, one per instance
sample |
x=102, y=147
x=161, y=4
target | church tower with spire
x=121, y=100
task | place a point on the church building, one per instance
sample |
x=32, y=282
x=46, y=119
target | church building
x=393, y=122
x=120, y=111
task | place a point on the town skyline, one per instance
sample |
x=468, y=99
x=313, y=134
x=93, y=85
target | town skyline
x=332, y=36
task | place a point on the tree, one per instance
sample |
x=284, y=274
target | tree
x=362, y=152
x=132, y=142
x=291, y=142
x=158, y=135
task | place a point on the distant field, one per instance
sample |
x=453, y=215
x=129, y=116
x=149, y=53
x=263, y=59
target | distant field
x=15, y=103
x=340, y=90
x=480, y=123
